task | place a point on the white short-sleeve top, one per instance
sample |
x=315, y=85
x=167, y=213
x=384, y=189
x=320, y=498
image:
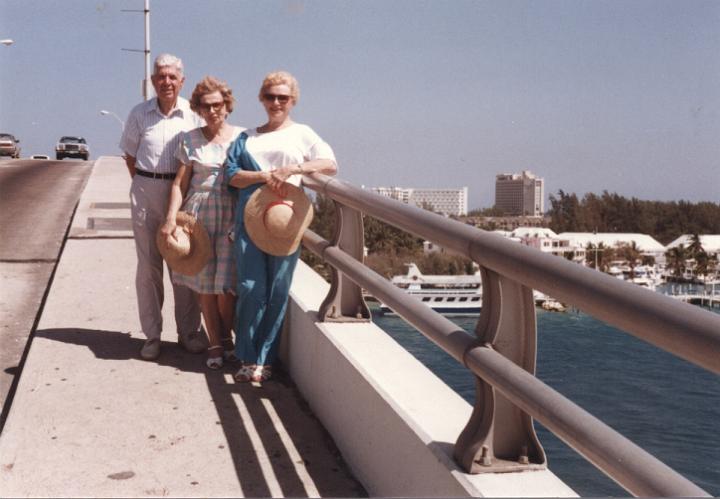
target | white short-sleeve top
x=293, y=144
x=152, y=138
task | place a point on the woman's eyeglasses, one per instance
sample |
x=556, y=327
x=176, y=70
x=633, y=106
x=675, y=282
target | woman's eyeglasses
x=215, y=106
x=282, y=99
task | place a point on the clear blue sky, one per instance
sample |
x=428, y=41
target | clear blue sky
x=615, y=95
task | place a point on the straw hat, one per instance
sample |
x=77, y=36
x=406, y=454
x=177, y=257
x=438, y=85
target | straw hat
x=189, y=250
x=276, y=224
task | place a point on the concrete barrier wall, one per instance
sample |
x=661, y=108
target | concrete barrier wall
x=393, y=420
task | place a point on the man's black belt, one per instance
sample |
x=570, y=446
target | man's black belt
x=163, y=176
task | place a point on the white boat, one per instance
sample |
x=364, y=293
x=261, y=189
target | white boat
x=446, y=294
x=646, y=276
x=553, y=305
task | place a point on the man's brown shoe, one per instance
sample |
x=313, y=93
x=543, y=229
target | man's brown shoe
x=151, y=349
x=195, y=342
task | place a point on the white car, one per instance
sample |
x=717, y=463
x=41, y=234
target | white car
x=9, y=145
x=72, y=147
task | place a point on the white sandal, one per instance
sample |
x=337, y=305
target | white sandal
x=229, y=351
x=245, y=373
x=261, y=373
x=214, y=363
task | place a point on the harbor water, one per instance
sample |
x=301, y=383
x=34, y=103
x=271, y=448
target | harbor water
x=666, y=405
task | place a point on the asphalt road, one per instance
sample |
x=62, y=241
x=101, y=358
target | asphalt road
x=37, y=200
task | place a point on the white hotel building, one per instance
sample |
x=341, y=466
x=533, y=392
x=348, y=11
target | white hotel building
x=445, y=201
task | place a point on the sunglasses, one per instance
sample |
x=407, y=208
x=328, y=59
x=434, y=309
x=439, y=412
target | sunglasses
x=215, y=106
x=282, y=99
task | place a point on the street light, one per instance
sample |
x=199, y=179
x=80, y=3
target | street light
x=106, y=113
x=7, y=42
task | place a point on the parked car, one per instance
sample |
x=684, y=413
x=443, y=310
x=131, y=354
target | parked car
x=72, y=147
x=9, y=145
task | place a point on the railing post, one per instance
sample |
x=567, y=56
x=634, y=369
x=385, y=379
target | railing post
x=344, y=302
x=500, y=437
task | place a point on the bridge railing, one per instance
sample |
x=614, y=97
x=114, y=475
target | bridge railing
x=500, y=436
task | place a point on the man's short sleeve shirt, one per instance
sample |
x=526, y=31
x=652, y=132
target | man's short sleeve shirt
x=153, y=138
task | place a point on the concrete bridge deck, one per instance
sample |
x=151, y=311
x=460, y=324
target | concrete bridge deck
x=89, y=418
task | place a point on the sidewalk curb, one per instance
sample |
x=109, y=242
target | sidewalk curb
x=109, y=218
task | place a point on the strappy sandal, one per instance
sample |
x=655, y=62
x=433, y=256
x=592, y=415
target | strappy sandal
x=229, y=351
x=261, y=373
x=214, y=363
x=245, y=373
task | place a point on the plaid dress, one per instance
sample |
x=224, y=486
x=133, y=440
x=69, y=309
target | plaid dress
x=214, y=206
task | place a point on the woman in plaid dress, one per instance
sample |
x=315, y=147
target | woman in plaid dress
x=199, y=183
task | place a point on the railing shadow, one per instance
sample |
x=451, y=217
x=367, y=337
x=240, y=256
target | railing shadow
x=271, y=434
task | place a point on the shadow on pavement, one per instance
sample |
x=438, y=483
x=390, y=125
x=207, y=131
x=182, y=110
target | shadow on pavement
x=267, y=409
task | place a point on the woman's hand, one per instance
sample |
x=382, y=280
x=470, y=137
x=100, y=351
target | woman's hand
x=168, y=229
x=277, y=178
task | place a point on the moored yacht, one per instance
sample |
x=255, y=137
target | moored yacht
x=446, y=294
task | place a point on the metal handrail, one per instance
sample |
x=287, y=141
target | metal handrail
x=681, y=329
x=624, y=461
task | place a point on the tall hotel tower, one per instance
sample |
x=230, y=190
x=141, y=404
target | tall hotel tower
x=520, y=194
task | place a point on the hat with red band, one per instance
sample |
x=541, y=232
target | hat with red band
x=276, y=223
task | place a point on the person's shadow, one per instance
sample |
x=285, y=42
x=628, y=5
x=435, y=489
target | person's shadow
x=276, y=404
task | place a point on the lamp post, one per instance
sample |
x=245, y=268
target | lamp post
x=110, y=113
x=147, y=84
x=7, y=42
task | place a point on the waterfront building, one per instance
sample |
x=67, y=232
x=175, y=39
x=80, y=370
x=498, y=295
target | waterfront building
x=520, y=193
x=646, y=244
x=445, y=201
x=547, y=241
x=709, y=242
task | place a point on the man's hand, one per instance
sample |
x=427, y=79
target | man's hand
x=130, y=163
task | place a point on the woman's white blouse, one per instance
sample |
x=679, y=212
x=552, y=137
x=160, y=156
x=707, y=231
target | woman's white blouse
x=294, y=144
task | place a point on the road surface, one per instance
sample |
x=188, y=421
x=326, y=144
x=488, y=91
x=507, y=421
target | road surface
x=37, y=199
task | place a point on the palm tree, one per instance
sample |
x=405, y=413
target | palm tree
x=697, y=253
x=695, y=247
x=702, y=265
x=591, y=255
x=631, y=253
x=713, y=265
x=676, y=259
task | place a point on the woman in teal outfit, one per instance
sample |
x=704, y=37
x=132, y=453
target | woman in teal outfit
x=275, y=154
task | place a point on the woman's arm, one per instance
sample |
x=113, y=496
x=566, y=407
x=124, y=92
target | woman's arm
x=177, y=194
x=244, y=178
x=235, y=176
x=325, y=166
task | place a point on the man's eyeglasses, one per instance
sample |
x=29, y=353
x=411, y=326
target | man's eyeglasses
x=282, y=99
x=215, y=106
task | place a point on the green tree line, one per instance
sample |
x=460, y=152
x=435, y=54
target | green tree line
x=665, y=221
x=389, y=248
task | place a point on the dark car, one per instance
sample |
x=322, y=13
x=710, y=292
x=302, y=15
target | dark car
x=9, y=145
x=72, y=147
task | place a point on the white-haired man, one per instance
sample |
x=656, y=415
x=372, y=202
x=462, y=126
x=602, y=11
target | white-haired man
x=149, y=141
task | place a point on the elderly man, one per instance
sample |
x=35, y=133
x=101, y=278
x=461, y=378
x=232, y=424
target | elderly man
x=152, y=134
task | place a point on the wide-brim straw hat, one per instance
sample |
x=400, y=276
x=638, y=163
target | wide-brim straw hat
x=189, y=250
x=276, y=224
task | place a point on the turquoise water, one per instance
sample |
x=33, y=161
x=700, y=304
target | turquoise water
x=666, y=405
